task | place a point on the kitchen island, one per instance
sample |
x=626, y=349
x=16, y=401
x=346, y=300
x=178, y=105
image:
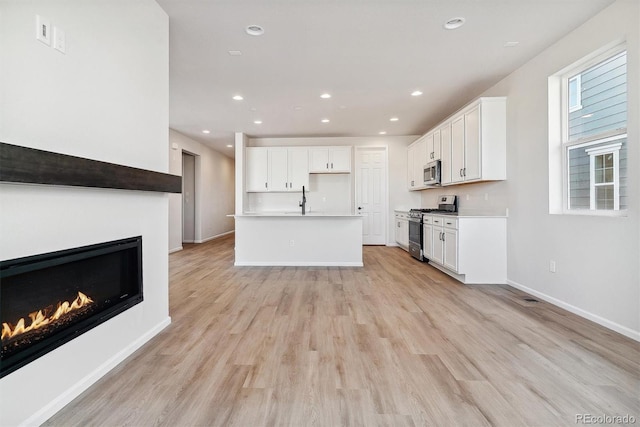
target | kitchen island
x=293, y=239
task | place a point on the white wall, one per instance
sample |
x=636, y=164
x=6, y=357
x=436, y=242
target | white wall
x=399, y=196
x=215, y=183
x=105, y=99
x=597, y=257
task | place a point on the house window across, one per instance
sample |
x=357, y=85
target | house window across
x=593, y=145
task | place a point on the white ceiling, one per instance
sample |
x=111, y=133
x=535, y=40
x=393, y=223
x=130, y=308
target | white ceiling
x=368, y=54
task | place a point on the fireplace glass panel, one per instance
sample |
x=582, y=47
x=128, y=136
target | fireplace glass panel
x=49, y=299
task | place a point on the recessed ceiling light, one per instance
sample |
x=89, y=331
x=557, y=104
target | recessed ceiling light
x=382, y=132
x=393, y=119
x=235, y=53
x=454, y=23
x=297, y=108
x=238, y=97
x=206, y=131
x=258, y=122
x=325, y=120
x=325, y=96
x=229, y=146
x=416, y=93
x=254, y=30
x=511, y=44
x=253, y=109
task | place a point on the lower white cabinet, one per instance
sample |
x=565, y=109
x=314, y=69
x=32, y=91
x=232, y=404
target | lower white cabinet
x=473, y=249
x=402, y=230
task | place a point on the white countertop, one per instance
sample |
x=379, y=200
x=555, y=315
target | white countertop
x=472, y=214
x=295, y=215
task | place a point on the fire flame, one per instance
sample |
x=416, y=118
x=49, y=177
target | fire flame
x=39, y=318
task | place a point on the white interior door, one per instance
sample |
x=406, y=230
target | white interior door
x=188, y=198
x=371, y=193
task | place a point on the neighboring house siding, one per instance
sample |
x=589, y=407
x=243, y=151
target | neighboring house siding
x=604, y=99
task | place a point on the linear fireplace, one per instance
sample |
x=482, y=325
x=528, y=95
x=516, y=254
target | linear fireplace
x=47, y=300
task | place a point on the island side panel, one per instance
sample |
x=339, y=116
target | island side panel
x=298, y=241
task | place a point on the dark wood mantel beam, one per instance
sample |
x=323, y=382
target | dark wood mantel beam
x=29, y=165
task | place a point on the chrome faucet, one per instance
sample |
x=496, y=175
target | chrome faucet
x=303, y=203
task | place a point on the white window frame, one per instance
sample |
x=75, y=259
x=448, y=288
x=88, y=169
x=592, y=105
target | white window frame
x=564, y=144
x=578, y=105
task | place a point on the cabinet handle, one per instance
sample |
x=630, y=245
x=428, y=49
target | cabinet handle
x=464, y=171
x=291, y=185
x=265, y=185
x=327, y=165
x=331, y=165
x=443, y=237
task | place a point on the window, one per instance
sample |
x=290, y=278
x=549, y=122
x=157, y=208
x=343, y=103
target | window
x=593, y=109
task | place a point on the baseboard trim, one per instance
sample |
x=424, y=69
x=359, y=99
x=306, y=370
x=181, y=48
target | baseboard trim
x=296, y=264
x=179, y=248
x=65, y=398
x=214, y=237
x=627, y=332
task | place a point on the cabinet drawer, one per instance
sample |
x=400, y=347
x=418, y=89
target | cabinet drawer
x=450, y=222
x=427, y=219
x=437, y=220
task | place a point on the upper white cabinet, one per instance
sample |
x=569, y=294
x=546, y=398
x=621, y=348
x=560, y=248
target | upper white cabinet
x=433, y=146
x=445, y=153
x=257, y=169
x=479, y=142
x=416, y=160
x=330, y=159
x=471, y=144
x=276, y=169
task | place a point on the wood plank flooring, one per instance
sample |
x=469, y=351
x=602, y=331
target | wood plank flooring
x=396, y=343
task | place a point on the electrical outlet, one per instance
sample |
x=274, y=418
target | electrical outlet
x=292, y=243
x=552, y=266
x=43, y=30
x=467, y=197
x=486, y=196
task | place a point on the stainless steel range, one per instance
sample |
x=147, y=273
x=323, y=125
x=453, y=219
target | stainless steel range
x=446, y=205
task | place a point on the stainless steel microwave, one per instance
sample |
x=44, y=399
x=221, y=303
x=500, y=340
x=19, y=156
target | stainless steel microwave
x=432, y=173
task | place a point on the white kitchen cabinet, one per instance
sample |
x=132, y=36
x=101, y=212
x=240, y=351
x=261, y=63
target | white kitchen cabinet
x=445, y=154
x=473, y=249
x=427, y=237
x=276, y=169
x=443, y=242
x=330, y=159
x=257, y=169
x=416, y=160
x=433, y=146
x=298, y=168
x=402, y=230
x=478, y=142
x=471, y=144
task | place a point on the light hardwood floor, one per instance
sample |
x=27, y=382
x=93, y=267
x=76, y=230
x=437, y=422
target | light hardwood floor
x=396, y=343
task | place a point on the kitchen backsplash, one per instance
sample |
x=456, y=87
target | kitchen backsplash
x=480, y=198
x=327, y=193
